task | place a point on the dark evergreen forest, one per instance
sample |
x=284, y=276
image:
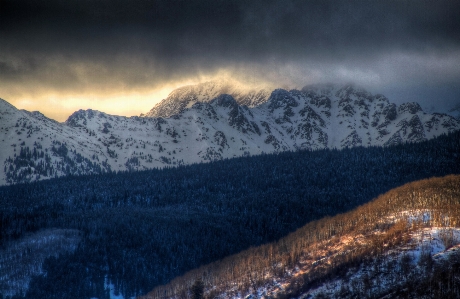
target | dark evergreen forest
x=142, y=229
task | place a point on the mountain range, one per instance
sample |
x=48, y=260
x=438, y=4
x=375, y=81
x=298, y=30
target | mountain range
x=207, y=122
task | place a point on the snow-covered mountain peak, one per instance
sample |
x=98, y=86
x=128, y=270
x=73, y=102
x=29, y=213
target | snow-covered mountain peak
x=381, y=99
x=411, y=108
x=79, y=118
x=330, y=90
x=325, y=89
x=281, y=98
x=224, y=100
x=351, y=90
x=186, y=96
x=39, y=116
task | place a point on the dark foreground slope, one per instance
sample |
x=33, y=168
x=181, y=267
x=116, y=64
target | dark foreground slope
x=404, y=244
x=142, y=229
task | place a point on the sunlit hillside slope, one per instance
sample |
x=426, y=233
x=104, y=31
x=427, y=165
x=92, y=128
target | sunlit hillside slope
x=403, y=244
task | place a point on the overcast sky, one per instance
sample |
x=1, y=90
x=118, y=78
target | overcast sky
x=122, y=57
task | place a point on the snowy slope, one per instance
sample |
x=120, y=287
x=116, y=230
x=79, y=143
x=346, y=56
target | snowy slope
x=209, y=127
x=427, y=242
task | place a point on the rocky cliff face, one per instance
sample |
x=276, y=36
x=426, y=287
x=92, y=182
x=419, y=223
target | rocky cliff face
x=206, y=125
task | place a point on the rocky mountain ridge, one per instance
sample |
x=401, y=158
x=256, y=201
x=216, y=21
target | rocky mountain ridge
x=207, y=128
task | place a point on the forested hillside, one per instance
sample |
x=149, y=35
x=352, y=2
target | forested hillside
x=384, y=249
x=139, y=230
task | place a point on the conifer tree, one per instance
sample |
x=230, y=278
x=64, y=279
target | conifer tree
x=197, y=289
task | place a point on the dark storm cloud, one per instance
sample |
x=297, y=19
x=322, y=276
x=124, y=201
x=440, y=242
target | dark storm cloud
x=90, y=43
